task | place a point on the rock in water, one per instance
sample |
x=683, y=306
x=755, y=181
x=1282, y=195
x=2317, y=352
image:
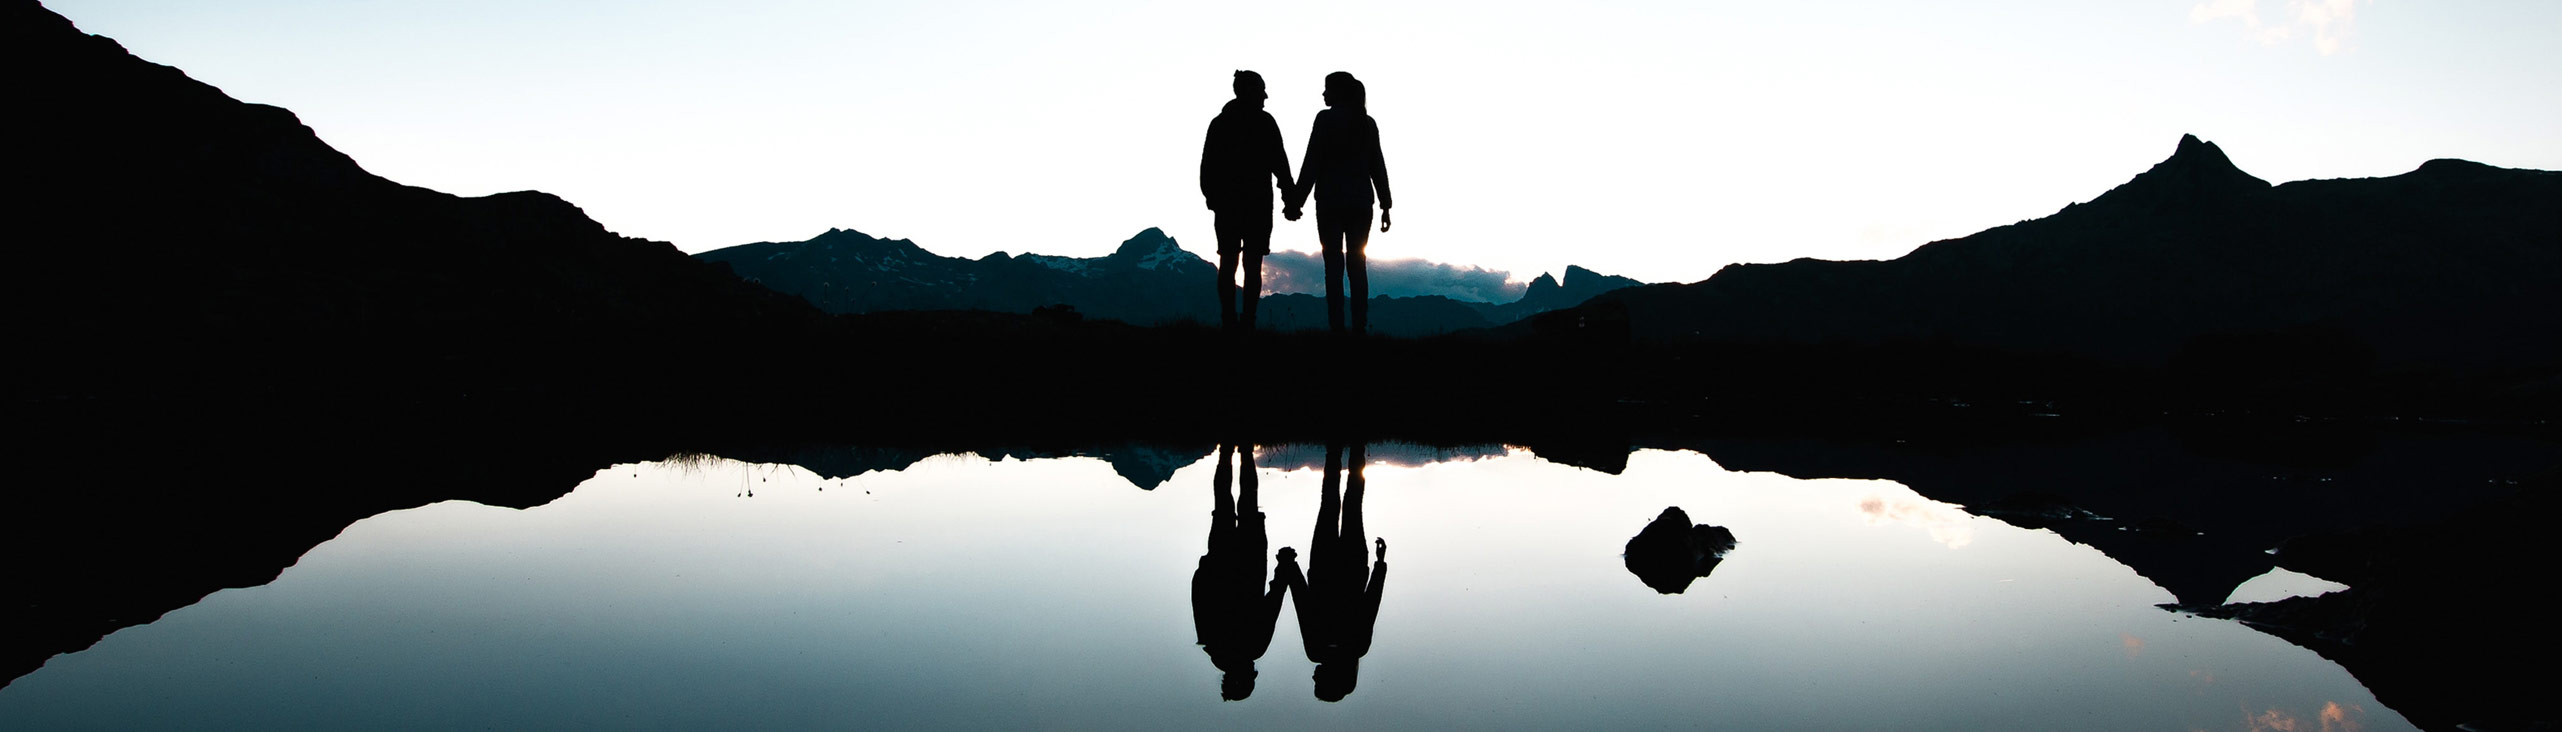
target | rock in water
x=1671, y=552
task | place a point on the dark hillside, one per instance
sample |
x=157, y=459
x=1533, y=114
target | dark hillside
x=233, y=340
x=2451, y=266
x=180, y=240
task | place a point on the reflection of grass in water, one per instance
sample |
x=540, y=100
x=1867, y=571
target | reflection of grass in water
x=693, y=462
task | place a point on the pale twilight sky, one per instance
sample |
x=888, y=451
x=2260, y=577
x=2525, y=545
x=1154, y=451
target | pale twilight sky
x=1655, y=140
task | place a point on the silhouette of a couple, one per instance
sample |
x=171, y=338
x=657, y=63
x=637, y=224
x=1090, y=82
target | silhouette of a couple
x=1242, y=162
x=1337, y=598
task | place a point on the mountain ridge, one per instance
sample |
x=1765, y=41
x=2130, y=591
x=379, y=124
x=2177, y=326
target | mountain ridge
x=176, y=217
x=2448, y=266
x=1149, y=279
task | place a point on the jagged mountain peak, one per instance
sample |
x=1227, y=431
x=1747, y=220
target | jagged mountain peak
x=1548, y=293
x=1153, y=250
x=1578, y=279
x=2196, y=171
x=2203, y=159
x=2192, y=262
x=850, y=237
x=1144, y=243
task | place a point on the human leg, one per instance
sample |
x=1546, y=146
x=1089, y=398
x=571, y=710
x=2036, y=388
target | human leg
x=1343, y=230
x=1249, y=510
x=1234, y=229
x=1227, y=287
x=1354, y=534
x=1322, y=540
x=1356, y=270
x=1250, y=291
x=1330, y=241
x=1223, y=505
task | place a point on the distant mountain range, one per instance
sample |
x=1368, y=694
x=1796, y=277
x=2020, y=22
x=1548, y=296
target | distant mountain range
x=1149, y=280
x=1146, y=465
x=2193, y=263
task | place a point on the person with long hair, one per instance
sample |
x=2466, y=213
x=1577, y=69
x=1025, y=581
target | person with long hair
x=1337, y=596
x=1344, y=170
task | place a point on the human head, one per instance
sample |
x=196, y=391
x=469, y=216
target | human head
x=1335, y=680
x=1248, y=85
x=1341, y=90
x=1237, y=685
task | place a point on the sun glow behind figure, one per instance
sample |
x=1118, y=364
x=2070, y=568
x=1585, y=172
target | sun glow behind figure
x=1657, y=140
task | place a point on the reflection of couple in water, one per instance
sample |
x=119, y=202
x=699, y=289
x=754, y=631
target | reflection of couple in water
x=1337, y=598
x=1242, y=162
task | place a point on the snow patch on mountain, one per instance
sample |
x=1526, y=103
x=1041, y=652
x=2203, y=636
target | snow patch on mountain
x=1070, y=265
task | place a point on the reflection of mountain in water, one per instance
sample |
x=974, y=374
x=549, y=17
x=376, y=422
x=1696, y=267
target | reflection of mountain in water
x=1145, y=464
x=2195, y=509
x=2429, y=526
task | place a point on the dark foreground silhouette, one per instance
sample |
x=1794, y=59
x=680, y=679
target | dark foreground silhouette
x=1233, y=607
x=2193, y=265
x=227, y=259
x=207, y=289
x=1346, y=173
x=1670, y=552
x=1242, y=163
x=1337, y=598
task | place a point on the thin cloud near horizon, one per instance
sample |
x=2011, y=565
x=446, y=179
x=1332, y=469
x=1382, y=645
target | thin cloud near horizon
x=2328, y=21
x=1288, y=272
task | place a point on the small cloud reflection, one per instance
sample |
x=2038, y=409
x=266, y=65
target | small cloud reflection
x=1946, y=523
x=2271, y=721
x=2134, y=646
x=2334, y=717
x=1289, y=271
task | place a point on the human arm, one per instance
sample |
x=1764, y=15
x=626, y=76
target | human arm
x=1379, y=178
x=1209, y=154
x=1276, y=157
x=1378, y=579
x=1309, y=160
x=1358, y=629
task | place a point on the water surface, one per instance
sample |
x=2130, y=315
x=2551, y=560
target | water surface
x=963, y=593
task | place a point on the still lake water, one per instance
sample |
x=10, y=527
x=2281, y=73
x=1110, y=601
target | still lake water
x=964, y=593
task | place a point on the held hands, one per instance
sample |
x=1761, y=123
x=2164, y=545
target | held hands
x=1290, y=213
